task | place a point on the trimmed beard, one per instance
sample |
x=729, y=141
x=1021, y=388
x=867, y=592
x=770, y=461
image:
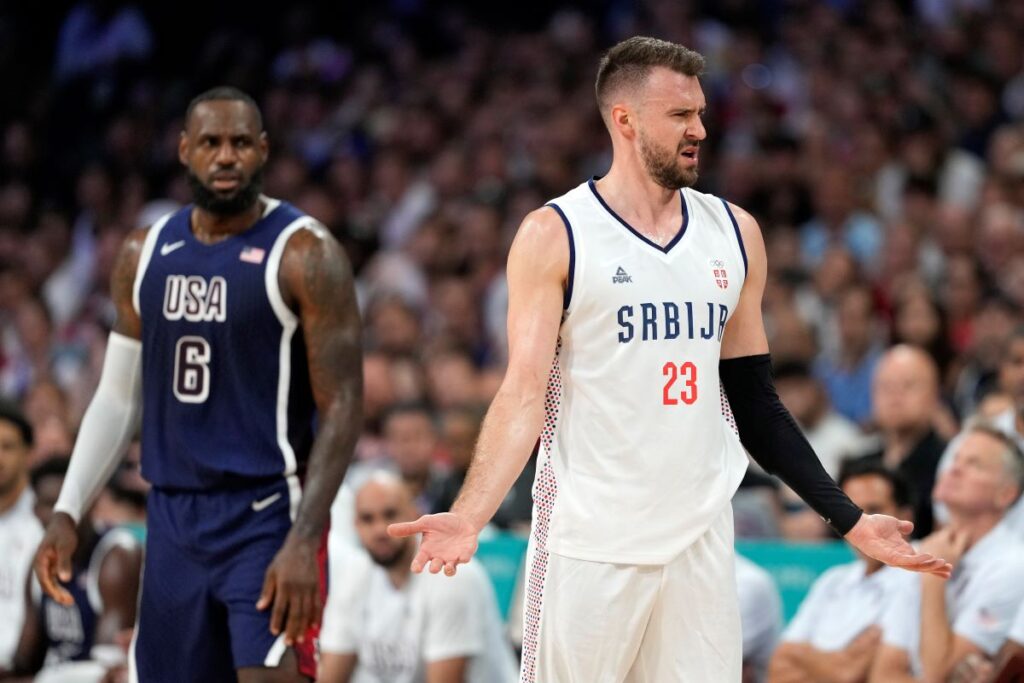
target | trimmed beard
x=388, y=561
x=243, y=199
x=663, y=167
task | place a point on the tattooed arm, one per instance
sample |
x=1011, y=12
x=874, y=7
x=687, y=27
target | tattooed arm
x=317, y=283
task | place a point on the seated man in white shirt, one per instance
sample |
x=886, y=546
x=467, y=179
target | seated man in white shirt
x=1008, y=665
x=1010, y=420
x=834, y=636
x=935, y=625
x=760, y=617
x=20, y=531
x=384, y=624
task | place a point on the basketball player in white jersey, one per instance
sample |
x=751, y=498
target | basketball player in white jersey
x=647, y=295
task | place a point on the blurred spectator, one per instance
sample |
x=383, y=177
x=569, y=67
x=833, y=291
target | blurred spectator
x=935, y=624
x=459, y=430
x=78, y=641
x=97, y=35
x=837, y=220
x=835, y=634
x=411, y=443
x=991, y=326
x=847, y=374
x=833, y=438
x=918, y=320
x=760, y=616
x=1010, y=420
x=905, y=399
x=20, y=531
x=387, y=625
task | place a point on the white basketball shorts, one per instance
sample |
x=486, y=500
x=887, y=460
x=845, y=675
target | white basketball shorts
x=597, y=622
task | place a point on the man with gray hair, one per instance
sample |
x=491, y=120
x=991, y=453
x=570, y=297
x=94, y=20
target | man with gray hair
x=939, y=624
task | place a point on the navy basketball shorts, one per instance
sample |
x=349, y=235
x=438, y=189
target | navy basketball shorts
x=206, y=559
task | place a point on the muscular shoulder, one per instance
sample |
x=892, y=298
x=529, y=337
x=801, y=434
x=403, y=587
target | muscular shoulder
x=312, y=262
x=749, y=229
x=122, y=283
x=542, y=241
x=128, y=256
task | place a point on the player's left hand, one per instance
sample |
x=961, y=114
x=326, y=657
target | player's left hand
x=882, y=537
x=292, y=586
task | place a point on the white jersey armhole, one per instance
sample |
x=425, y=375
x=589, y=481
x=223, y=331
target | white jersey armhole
x=148, y=245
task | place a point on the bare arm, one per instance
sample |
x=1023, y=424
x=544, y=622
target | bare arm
x=892, y=665
x=745, y=335
x=316, y=281
x=786, y=665
x=336, y=668
x=804, y=662
x=448, y=670
x=31, y=651
x=119, y=589
x=941, y=648
x=537, y=268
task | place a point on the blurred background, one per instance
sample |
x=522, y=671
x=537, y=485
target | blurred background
x=880, y=144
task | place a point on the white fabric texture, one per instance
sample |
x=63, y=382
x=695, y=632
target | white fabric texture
x=612, y=623
x=760, y=614
x=108, y=426
x=640, y=448
x=842, y=603
x=982, y=598
x=396, y=632
x=20, y=533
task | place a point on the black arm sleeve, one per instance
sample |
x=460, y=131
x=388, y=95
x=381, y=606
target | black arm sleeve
x=774, y=440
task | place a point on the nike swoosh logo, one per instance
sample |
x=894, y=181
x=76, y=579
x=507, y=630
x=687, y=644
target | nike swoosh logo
x=258, y=505
x=168, y=248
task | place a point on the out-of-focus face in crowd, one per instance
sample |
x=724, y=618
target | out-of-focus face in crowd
x=905, y=390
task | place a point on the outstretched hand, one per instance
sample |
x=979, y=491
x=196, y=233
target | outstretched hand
x=448, y=541
x=883, y=538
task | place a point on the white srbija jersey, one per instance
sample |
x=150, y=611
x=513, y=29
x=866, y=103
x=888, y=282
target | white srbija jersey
x=639, y=453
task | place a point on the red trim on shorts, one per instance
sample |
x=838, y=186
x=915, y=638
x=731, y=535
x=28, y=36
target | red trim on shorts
x=308, y=651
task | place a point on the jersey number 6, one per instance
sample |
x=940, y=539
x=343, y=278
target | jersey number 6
x=687, y=372
x=192, y=369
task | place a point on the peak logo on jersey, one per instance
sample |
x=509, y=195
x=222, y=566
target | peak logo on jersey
x=193, y=298
x=621, y=276
x=718, y=269
x=252, y=255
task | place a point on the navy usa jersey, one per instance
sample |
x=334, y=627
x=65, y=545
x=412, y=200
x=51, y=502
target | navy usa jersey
x=226, y=391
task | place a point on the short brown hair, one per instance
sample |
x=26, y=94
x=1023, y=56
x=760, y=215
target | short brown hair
x=628, y=63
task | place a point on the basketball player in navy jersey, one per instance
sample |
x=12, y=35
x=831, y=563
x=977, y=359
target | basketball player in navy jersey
x=237, y=342
x=634, y=303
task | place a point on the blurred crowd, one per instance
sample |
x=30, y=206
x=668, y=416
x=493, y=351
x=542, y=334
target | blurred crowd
x=880, y=144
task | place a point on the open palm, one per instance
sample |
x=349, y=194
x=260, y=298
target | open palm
x=448, y=541
x=883, y=538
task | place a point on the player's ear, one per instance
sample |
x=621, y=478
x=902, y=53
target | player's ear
x=183, y=148
x=264, y=145
x=623, y=119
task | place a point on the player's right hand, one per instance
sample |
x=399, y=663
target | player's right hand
x=53, y=558
x=448, y=541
